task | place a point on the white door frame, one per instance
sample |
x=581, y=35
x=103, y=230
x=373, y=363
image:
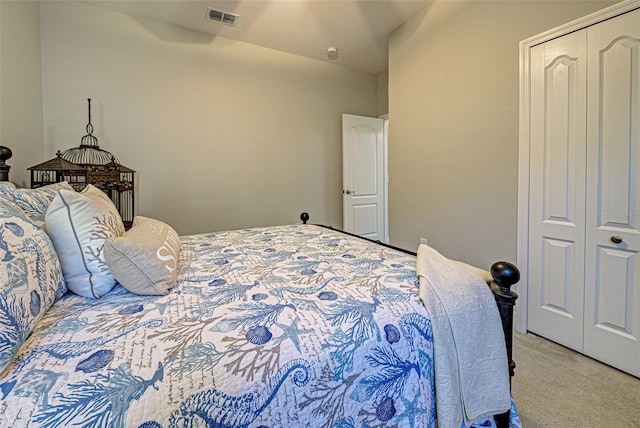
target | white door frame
x=385, y=117
x=522, y=259
x=383, y=220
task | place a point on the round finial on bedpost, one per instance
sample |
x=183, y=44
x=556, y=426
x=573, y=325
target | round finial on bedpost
x=505, y=274
x=304, y=217
x=5, y=154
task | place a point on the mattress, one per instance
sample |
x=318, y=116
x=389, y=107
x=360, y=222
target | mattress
x=288, y=326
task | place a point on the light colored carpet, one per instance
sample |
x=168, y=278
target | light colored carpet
x=556, y=387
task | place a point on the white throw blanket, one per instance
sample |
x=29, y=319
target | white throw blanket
x=470, y=358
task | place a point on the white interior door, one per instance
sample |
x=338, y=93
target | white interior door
x=557, y=189
x=612, y=286
x=364, y=176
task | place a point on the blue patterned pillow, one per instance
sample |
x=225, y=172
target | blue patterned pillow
x=6, y=191
x=34, y=202
x=30, y=277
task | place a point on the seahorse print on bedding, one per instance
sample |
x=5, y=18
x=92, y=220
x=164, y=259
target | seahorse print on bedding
x=218, y=409
x=410, y=323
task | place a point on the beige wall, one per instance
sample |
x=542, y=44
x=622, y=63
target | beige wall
x=20, y=86
x=383, y=93
x=453, y=100
x=223, y=134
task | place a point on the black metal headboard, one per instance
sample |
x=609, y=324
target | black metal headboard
x=5, y=154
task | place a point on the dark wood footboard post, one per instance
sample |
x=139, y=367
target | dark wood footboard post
x=505, y=275
x=5, y=154
x=304, y=217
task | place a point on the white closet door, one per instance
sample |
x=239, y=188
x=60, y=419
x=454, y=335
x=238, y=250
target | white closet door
x=557, y=189
x=363, y=176
x=612, y=291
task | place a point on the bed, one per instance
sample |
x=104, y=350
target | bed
x=289, y=326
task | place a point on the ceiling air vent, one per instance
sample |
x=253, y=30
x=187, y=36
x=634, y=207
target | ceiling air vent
x=220, y=16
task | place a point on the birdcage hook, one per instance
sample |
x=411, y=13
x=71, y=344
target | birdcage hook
x=89, y=139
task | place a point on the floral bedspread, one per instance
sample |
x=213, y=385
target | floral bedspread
x=290, y=326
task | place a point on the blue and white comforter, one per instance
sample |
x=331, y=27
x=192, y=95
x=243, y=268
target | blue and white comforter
x=289, y=326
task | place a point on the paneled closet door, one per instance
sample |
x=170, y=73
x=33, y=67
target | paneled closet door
x=612, y=274
x=557, y=189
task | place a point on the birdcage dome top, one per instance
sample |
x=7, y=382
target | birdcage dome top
x=89, y=155
x=89, y=152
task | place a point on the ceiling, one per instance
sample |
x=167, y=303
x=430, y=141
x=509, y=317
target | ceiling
x=357, y=28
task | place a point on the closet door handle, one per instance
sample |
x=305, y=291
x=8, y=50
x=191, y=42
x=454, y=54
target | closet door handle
x=616, y=239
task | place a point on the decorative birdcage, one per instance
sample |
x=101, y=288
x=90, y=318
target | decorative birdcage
x=89, y=164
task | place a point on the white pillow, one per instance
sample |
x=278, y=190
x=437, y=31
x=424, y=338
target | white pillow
x=145, y=259
x=79, y=224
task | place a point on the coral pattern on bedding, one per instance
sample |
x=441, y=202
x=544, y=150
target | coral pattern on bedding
x=291, y=326
x=30, y=278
